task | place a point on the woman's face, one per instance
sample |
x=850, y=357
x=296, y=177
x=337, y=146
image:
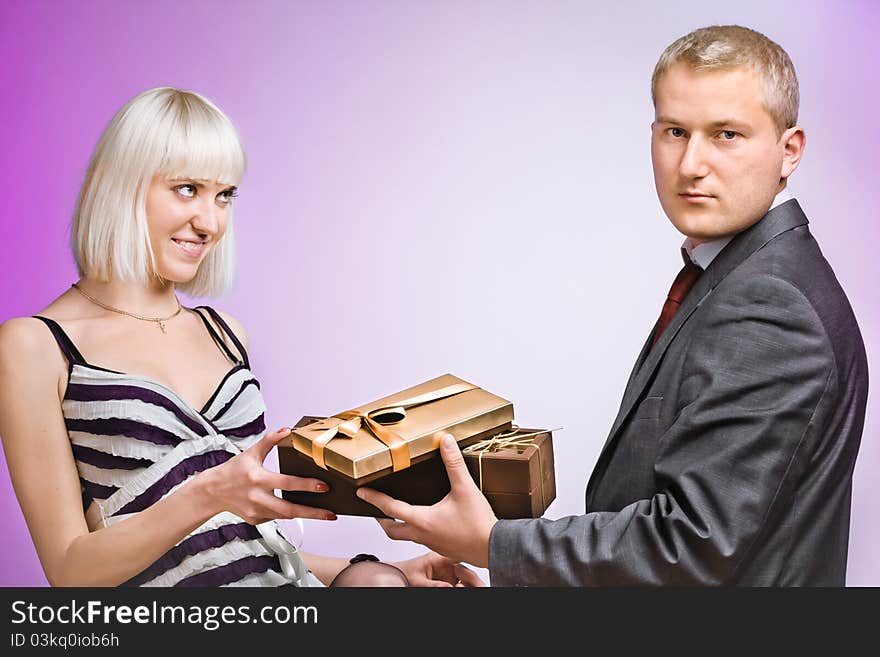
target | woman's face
x=186, y=218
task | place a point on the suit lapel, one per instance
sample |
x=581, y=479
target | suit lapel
x=779, y=220
x=643, y=354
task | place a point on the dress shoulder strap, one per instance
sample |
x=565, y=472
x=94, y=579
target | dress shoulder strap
x=220, y=342
x=223, y=325
x=71, y=353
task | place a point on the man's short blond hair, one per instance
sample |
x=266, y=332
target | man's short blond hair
x=731, y=46
x=162, y=131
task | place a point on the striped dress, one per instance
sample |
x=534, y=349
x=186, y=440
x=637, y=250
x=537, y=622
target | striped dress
x=135, y=441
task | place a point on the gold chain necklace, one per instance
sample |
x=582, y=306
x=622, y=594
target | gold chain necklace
x=159, y=320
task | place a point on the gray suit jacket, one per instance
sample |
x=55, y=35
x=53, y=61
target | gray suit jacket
x=731, y=458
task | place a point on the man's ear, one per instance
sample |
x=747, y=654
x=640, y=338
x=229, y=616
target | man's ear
x=793, y=142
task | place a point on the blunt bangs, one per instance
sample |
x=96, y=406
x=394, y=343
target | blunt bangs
x=200, y=143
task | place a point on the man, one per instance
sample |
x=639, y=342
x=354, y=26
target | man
x=731, y=458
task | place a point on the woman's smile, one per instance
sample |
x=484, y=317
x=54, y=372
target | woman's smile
x=190, y=248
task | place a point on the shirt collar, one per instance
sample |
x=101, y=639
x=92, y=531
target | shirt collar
x=704, y=253
x=781, y=197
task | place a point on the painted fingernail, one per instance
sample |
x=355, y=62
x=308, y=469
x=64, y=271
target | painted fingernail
x=321, y=487
x=284, y=430
x=330, y=516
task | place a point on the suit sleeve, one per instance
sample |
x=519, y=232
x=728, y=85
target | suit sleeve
x=757, y=368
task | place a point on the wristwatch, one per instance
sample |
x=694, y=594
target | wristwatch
x=363, y=557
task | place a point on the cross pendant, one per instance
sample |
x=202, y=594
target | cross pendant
x=161, y=325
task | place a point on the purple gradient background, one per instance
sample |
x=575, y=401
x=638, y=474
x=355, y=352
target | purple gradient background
x=433, y=187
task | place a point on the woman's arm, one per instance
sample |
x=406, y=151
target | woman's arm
x=324, y=568
x=33, y=376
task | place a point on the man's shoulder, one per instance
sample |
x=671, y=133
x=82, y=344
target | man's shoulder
x=789, y=280
x=792, y=258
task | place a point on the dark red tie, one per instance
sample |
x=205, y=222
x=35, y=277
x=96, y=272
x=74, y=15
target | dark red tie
x=680, y=287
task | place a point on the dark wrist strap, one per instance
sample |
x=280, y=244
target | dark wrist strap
x=363, y=557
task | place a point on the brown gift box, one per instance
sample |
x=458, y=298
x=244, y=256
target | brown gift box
x=517, y=472
x=355, y=456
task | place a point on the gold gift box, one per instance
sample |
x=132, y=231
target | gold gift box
x=413, y=418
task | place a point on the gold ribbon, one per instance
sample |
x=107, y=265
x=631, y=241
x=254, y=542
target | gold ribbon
x=506, y=440
x=348, y=423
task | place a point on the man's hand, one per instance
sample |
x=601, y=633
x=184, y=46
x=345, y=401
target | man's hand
x=458, y=526
x=430, y=569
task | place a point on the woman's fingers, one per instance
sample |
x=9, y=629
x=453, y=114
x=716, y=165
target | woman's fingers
x=292, y=482
x=282, y=509
x=265, y=444
x=270, y=505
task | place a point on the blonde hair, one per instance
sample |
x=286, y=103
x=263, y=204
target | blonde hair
x=164, y=131
x=729, y=46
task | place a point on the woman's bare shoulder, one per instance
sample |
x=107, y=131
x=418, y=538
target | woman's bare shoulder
x=29, y=340
x=23, y=334
x=28, y=352
x=66, y=307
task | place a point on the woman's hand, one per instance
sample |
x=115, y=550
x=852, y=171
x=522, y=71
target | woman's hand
x=430, y=569
x=244, y=487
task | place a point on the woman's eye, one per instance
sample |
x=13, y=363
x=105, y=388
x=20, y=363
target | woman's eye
x=225, y=197
x=187, y=191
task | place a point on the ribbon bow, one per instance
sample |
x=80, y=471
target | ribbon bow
x=348, y=423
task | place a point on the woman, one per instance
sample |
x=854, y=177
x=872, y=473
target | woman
x=133, y=427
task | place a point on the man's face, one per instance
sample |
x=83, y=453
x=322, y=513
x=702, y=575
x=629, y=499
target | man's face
x=717, y=160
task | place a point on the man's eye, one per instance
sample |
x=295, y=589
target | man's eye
x=676, y=132
x=728, y=134
x=187, y=191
